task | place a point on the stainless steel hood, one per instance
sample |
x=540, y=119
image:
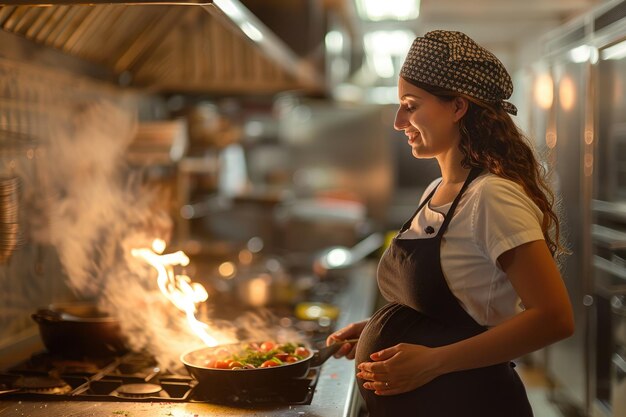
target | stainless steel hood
x=213, y=46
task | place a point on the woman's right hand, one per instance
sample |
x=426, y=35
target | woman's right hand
x=351, y=331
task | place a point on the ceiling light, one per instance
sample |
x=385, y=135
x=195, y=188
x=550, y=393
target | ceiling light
x=377, y=10
x=385, y=48
x=544, y=91
x=334, y=42
x=617, y=51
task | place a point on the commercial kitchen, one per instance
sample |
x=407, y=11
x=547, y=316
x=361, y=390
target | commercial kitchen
x=177, y=175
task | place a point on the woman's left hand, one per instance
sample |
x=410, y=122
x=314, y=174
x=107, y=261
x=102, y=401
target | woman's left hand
x=400, y=368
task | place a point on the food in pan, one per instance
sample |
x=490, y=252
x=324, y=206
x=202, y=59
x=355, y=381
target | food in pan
x=254, y=355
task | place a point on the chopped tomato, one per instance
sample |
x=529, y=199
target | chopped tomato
x=235, y=364
x=222, y=364
x=255, y=355
x=267, y=346
x=301, y=351
x=269, y=364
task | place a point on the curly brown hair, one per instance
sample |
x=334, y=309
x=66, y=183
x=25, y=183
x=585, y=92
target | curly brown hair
x=490, y=140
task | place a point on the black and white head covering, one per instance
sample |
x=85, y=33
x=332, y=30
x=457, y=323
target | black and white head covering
x=452, y=60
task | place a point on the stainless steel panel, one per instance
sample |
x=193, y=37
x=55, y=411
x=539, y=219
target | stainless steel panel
x=618, y=385
x=567, y=360
x=609, y=234
x=166, y=45
x=611, y=179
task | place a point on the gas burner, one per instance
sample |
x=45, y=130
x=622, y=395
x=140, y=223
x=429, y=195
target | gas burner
x=67, y=366
x=42, y=363
x=42, y=385
x=292, y=391
x=138, y=365
x=140, y=391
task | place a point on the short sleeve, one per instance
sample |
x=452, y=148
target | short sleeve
x=504, y=217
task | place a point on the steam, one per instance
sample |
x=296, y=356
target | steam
x=94, y=211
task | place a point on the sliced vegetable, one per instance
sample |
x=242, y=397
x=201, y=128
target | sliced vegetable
x=254, y=355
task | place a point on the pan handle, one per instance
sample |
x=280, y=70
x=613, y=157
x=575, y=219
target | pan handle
x=326, y=352
x=46, y=316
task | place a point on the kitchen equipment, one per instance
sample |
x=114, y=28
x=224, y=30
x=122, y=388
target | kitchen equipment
x=340, y=258
x=249, y=378
x=266, y=288
x=313, y=310
x=618, y=355
x=96, y=383
x=10, y=234
x=132, y=378
x=162, y=142
x=208, y=128
x=312, y=224
x=79, y=329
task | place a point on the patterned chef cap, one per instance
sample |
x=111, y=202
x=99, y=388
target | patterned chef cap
x=452, y=60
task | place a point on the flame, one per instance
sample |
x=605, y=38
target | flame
x=179, y=289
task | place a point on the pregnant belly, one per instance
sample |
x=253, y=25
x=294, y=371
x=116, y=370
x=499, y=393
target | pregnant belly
x=397, y=323
x=493, y=391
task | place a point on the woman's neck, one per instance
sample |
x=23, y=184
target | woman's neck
x=452, y=171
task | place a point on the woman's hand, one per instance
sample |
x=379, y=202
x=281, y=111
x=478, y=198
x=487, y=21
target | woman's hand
x=400, y=368
x=351, y=331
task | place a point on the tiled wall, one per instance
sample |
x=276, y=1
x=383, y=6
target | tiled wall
x=48, y=119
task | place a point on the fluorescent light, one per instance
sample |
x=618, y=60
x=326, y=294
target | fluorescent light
x=383, y=95
x=334, y=42
x=392, y=42
x=617, y=51
x=383, y=46
x=377, y=10
x=230, y=9
x=251, y=31
x=580, y=54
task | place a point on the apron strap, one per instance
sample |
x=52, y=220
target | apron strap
x=407, y=224
x=475, y=172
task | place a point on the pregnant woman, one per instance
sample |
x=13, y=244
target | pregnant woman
x=470, y=279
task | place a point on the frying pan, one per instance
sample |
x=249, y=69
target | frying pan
x=244, y=378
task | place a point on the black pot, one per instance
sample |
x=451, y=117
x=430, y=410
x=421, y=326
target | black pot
x=78, y=330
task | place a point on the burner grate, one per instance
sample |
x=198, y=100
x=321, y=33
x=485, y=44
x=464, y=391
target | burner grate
x=292, y=391
x=133, y=378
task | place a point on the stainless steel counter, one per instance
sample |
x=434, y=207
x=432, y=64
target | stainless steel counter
x=335, y=394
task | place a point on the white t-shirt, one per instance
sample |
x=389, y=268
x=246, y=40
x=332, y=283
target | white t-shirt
x=493, y=216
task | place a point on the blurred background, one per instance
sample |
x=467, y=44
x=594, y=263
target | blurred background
x=248, y=131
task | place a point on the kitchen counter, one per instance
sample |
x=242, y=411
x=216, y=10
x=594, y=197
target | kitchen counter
x=335, y=394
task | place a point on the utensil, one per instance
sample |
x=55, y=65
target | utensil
x=77, y=330
x=339, y=258
x=249, y=378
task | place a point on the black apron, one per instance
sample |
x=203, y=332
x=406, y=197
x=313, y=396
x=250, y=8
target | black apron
x=422, y=310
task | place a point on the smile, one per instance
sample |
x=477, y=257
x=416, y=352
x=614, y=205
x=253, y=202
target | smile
x=413, y=137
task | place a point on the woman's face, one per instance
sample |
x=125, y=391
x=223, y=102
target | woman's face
x=430, y=123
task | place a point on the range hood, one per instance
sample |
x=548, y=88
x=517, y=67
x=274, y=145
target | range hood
x=215, y=46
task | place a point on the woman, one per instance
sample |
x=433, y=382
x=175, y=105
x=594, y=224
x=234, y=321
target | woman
x=483, y=238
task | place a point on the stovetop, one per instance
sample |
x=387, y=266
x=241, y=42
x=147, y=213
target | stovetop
x=135, y=377
x=335, y=393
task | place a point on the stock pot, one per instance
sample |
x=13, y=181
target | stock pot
x=78, y=330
